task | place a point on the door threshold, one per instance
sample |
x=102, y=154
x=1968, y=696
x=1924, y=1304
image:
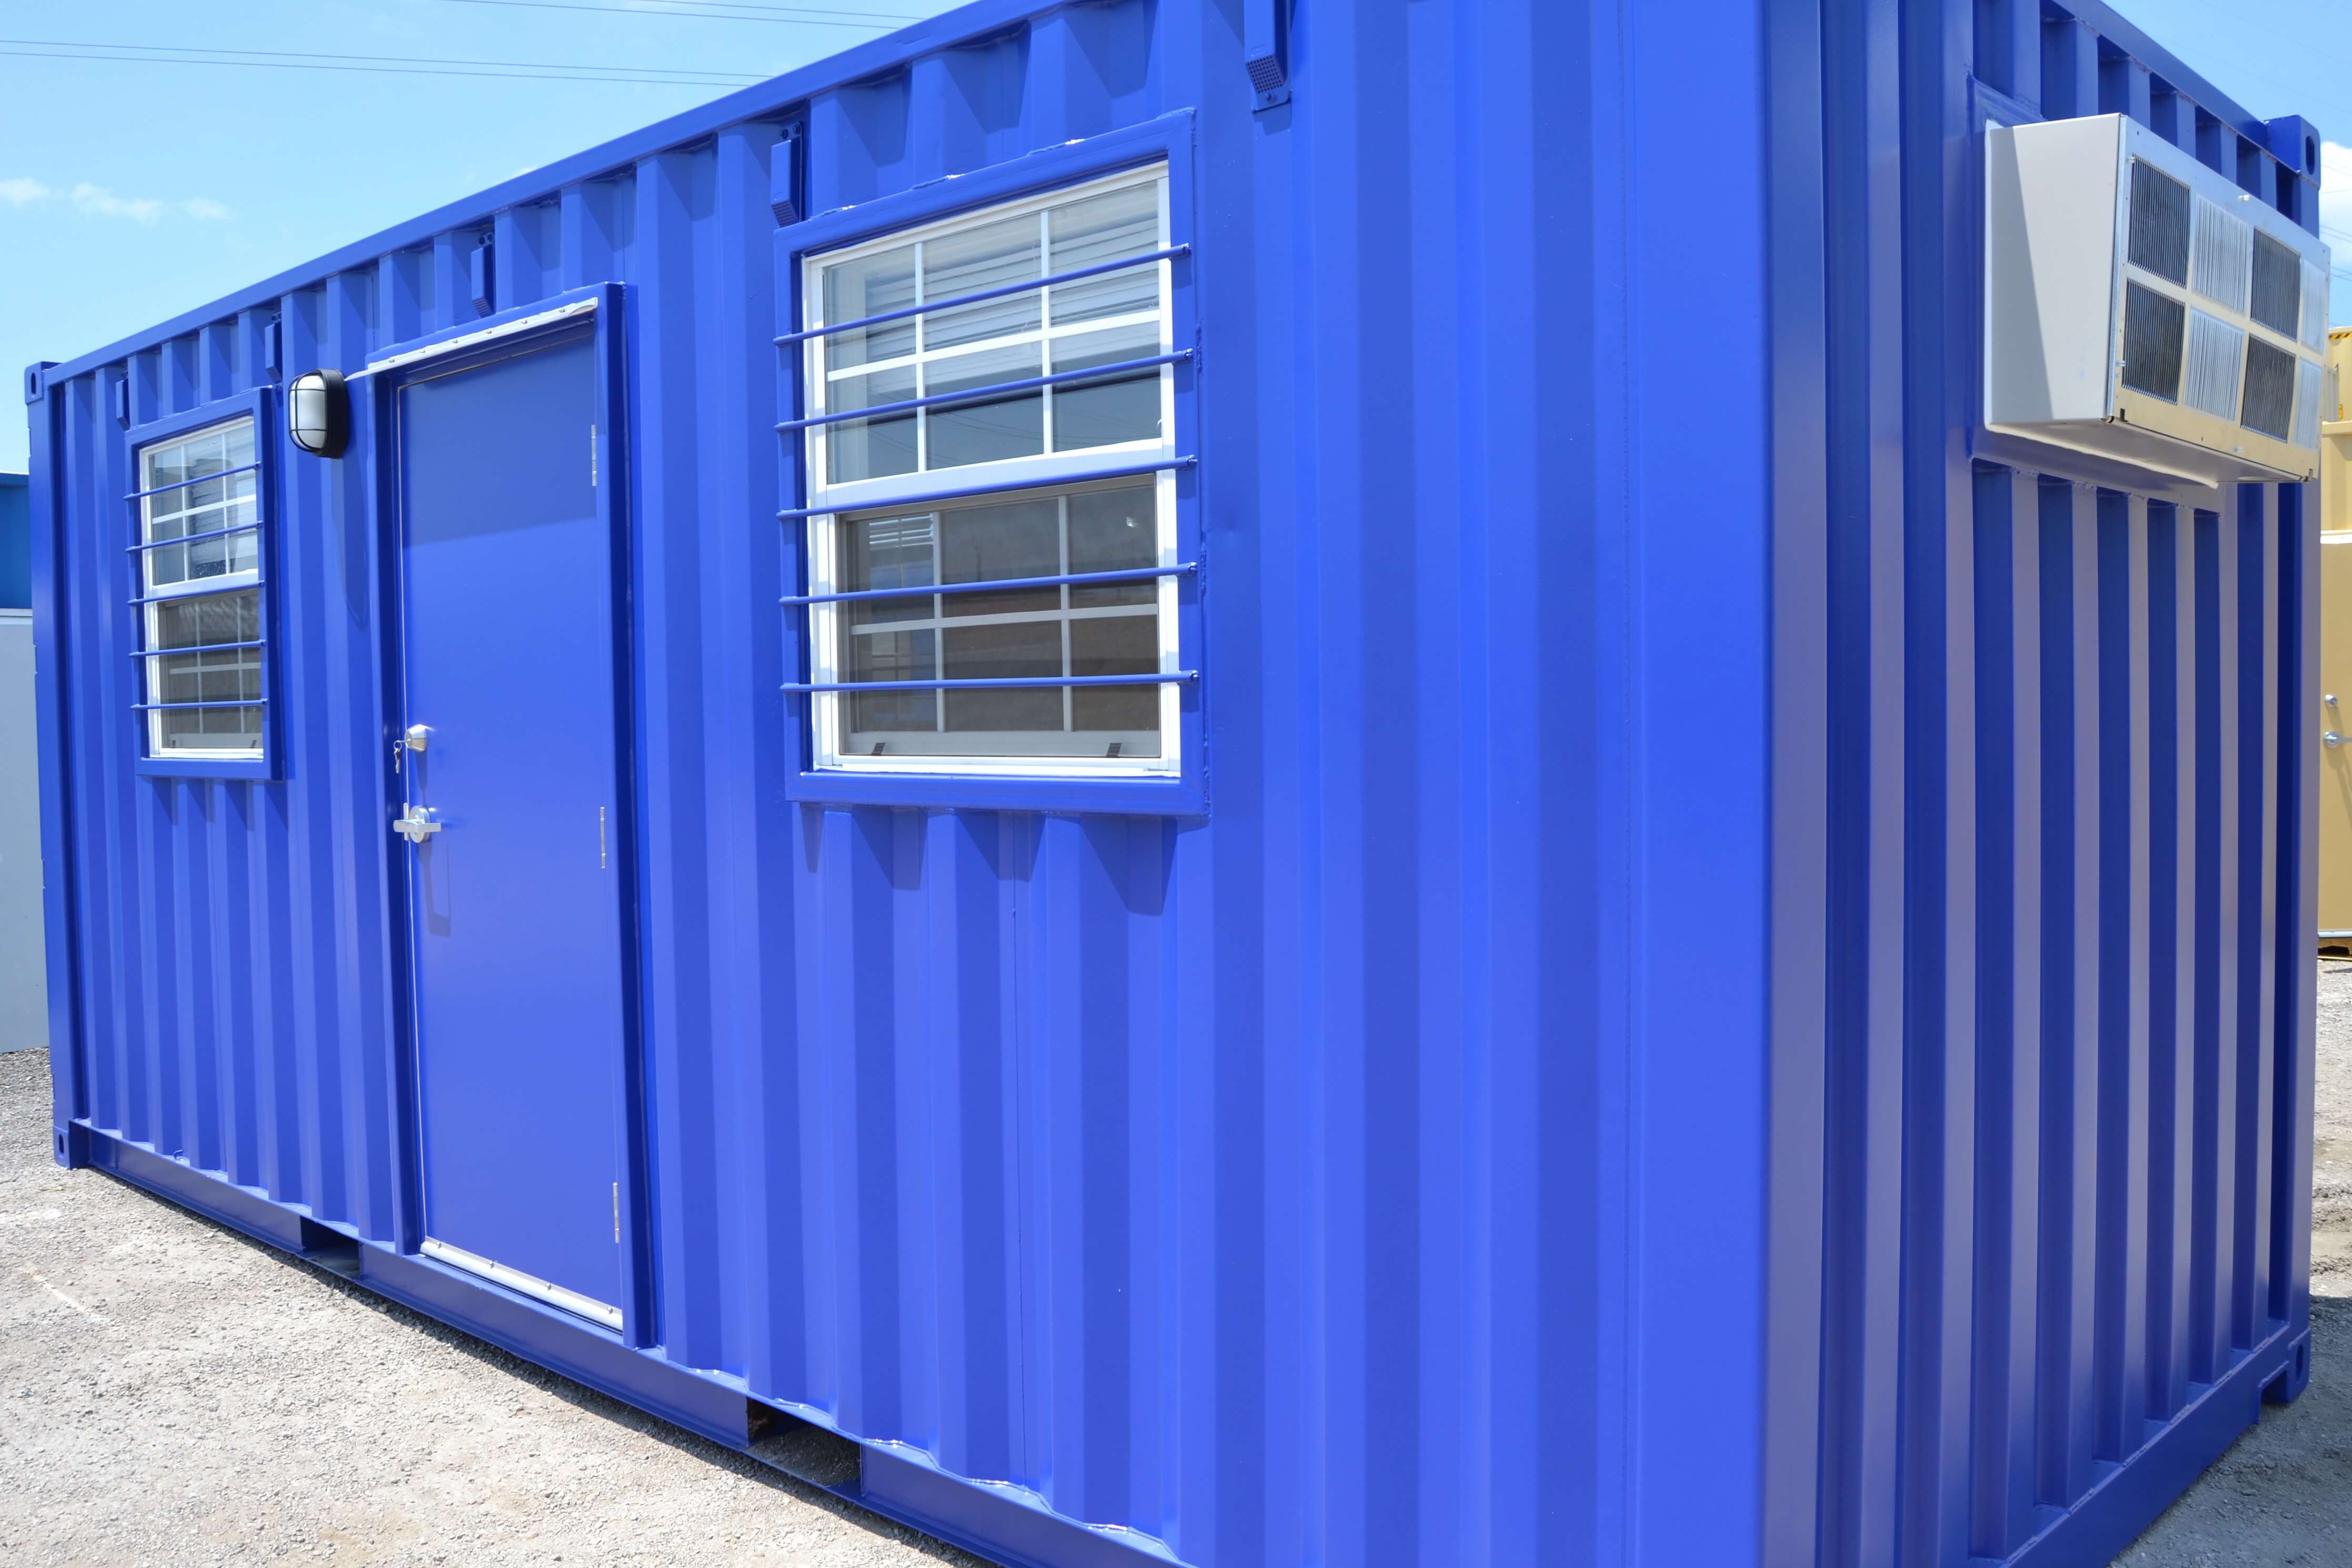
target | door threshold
x=531, y=1285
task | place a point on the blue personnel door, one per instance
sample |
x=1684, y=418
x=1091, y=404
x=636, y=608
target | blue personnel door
x=511, y=777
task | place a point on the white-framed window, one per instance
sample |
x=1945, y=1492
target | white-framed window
x=1033, y=436
x=200, y=576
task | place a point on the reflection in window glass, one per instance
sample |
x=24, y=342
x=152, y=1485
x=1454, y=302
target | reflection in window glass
x=200, y=518
x=1027, y=634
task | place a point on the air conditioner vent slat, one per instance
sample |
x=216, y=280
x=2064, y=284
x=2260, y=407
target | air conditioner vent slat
x=2269, y=404
x=2217, y=351
x=2308, y=379
x=2224, y=260
x=2278, y=287
x=2155, y=329
x=2160, y=223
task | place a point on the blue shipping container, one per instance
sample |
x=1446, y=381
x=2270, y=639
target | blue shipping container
x=1498, y=893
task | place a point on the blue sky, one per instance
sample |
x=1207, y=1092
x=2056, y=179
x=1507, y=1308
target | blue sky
x=131, y=189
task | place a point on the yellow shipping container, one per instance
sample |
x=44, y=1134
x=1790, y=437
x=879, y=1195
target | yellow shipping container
x=2335, y=757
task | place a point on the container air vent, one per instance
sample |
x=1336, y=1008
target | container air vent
x=2308, y=381
x=2278, y=287
x=2147, y=319
x=2216, y=352
x=2160, y=223
x=2269, y=406
x=2225, y=245
x=2155, y=329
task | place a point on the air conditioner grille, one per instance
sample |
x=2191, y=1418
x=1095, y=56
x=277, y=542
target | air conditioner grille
x=2217, y=350
x=2154, y=328
x=2269, y=406
x=2278, y=287
x=2224, y=244
x=2314, y=307
x=2307, y=379
x=2160, y=223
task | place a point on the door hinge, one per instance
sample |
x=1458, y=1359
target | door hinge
x=591, y=456
x=617, y=1211
x=600, y=861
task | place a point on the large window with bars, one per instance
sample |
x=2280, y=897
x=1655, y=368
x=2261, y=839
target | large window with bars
x=993, y=572
x=199, y=553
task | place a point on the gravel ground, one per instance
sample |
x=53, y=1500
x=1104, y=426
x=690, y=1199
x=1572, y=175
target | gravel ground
x=2283, y=1494
x=172, y=1393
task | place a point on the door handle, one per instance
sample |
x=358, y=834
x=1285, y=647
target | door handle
x=420, y=822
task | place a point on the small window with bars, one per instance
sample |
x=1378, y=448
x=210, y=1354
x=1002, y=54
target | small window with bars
x=993, y=571
x=201, y=617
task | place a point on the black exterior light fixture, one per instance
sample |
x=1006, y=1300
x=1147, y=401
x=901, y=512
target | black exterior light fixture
x=318, y=413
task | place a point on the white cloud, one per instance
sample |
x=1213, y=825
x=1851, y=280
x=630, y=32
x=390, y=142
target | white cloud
x=99, y=202
x=2335, y=198
x=104, y=203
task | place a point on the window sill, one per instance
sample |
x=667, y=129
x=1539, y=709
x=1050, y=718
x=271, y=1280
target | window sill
x=206, y=768
x=1091, y=796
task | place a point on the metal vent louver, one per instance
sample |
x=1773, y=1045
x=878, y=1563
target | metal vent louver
x=2278, y=287
x=2225, y=248
x=2314, y=307
x=2269, y=404
x=2160, y=223
x=2154, y=331
x=2217, y=351
x=2308, y=379
x=2144, y=314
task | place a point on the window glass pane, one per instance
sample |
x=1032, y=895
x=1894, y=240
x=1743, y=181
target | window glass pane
x=231, y=675
x=989, y=256
x=1018, y=650
x=1103, y=228
x=871, y=448
x=1113, y=530
x=1114, y=645
x=870, y=286
x=891, y=656
x=1019, y=539
x=991, y=430
x=888, y=553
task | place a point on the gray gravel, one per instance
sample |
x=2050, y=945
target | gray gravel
x=173, y=1392
x=2283, y=1494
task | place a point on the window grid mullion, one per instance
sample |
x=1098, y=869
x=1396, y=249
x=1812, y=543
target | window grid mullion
x=922, y=377
x=1062, y=506
x=938, y=620
x=1045, y=357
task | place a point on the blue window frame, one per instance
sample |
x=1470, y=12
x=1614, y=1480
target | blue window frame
x=1000, y=598
x=200, y=511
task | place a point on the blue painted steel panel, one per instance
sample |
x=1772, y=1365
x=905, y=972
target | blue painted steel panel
x=1756, y=958
x=16, y=543
x=514, y=920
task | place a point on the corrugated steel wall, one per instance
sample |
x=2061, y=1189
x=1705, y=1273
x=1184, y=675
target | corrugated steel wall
x=1730, y=952
x=2066, y=830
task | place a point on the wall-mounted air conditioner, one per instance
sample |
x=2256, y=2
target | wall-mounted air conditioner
x=2144, y=309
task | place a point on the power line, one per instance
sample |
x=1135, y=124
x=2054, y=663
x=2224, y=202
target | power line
x=617, y=72
x=552, y=74
x=794, y=13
